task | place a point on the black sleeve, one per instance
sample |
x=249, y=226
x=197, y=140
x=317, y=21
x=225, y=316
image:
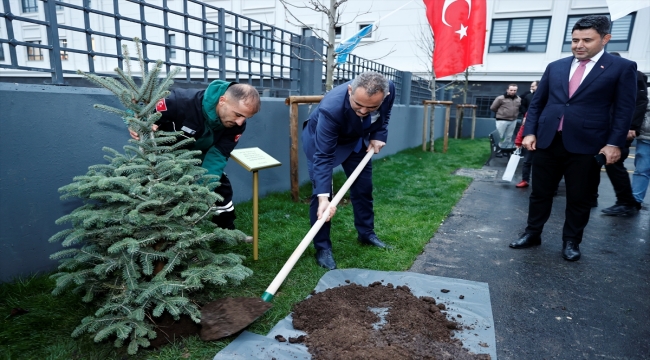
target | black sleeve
x=641, y=101
x=226, y=140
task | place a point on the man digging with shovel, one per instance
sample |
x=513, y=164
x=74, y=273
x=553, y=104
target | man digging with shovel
x=351, y=117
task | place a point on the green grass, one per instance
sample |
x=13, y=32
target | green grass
x=413, y=192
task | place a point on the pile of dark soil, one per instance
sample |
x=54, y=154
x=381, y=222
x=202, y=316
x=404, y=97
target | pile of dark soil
x=377, y=322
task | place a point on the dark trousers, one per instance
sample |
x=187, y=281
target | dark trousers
x=225, y=217
x=578, y=170
x=528, y=164
x=620, y=179
x=360, y=196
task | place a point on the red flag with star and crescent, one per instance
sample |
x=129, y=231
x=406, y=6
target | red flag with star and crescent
x=459, y=33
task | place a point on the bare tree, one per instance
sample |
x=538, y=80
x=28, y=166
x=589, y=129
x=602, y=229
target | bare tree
x=425, y=44
x=332, y=10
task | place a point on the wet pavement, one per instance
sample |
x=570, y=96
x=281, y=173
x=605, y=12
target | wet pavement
x=545, y=307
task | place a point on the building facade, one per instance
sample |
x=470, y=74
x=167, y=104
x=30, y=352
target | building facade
x=522, y=36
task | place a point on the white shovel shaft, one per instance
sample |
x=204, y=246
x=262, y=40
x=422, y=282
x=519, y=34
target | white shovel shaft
x=286, y=269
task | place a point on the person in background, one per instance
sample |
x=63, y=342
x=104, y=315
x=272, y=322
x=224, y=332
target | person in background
x=641, y=176
x=528, y=157
x=506, y=107
x=527, y=97
x=626, y=203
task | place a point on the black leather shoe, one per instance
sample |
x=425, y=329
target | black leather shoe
x=325, y=259
x=373, y=240
x=526, y=240
x=620, y=210
x=570, y=251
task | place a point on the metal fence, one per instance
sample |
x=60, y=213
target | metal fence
x=207, y=42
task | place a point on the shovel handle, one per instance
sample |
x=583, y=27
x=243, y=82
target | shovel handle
x=279, y=278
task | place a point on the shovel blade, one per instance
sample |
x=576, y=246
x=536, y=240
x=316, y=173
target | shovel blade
x=228, y=316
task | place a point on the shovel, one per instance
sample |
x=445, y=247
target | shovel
x=227, y=316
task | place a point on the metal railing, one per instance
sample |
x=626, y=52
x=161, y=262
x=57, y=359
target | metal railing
x=420, y=89
x=207, y=42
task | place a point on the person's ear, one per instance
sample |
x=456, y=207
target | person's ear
x=606, y=38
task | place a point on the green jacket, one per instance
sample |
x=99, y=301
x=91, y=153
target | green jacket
x=194, y=112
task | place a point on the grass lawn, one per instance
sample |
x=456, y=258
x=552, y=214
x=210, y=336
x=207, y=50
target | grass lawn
x=413, y=192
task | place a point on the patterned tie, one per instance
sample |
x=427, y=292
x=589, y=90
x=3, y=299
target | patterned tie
x=366, y=124
x=574, y=83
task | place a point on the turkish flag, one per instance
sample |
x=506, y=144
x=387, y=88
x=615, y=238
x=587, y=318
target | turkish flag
x=458, y=32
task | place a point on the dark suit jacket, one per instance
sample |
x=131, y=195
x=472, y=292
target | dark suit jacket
x=609, y=86
x=333, y=130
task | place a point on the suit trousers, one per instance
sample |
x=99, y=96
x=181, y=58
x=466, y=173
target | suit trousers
x=551, y=164
x=360, y=196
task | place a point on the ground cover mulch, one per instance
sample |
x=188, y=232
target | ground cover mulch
x=377, y=322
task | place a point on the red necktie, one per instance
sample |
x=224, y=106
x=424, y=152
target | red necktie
x=575, y=81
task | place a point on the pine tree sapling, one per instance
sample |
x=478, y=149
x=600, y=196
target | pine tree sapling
x=138, y=246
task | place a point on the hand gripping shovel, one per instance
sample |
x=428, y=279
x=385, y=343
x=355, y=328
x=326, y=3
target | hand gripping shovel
x=227, y=316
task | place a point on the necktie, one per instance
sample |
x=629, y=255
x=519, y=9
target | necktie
x=575, y=81
x=365, y=124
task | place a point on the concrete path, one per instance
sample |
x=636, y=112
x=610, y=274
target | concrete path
x=545, y=307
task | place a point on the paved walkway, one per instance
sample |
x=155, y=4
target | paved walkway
x=545, y=307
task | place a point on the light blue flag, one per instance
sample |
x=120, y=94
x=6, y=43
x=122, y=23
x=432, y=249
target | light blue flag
x=346, y=46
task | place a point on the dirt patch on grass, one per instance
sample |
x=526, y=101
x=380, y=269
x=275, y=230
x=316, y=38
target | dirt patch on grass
x=377, y=322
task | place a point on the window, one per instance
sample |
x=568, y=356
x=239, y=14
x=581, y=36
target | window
x=369, y=34
x=171, y=41
x=34, y=53
x=483, y=104
x=63, y=43
x=59, y=7
x=2, y=52
x=307, y=32
x=29, y=6
x=259, y=42
x=212, y=44
x=519, y=35
x=337, y=33
x=621, y=33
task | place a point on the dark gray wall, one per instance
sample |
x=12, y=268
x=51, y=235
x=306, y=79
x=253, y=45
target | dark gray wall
x=51, y=134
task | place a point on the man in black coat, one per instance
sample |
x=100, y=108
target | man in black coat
x=626, y=204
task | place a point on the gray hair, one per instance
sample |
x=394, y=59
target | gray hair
x=371, y=81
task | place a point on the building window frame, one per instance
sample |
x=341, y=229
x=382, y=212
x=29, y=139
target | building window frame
x=259, y=42
x=34, y=53
x=370, y=35
x=212, y=43
x=532, y=44
x=171, y=41
x=63, y=43
x=29, y=6
x=338, y=31
x=614, y=44
x=483, y=104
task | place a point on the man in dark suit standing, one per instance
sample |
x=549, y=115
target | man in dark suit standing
x=351, y=120
x=568, y=123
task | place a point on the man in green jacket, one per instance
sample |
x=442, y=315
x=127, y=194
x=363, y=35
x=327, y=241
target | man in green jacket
x=216, y=119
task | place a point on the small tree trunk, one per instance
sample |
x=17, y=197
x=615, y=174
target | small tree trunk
x=466, y=86
x=329, y=73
